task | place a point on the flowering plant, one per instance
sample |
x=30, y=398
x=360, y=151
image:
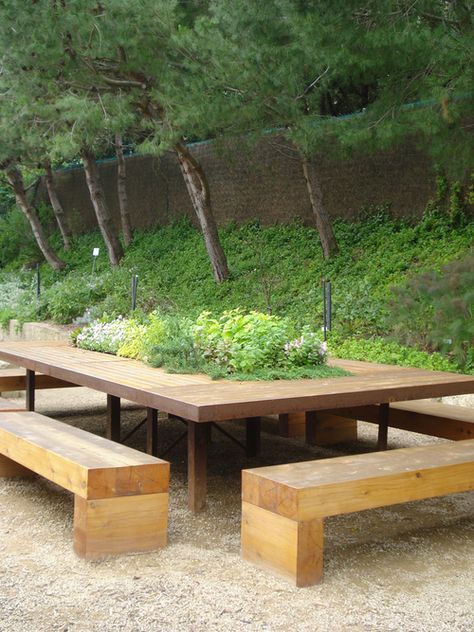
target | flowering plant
x=112, y=337
x=308, y=350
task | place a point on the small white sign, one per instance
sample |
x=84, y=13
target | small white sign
x=95, y=252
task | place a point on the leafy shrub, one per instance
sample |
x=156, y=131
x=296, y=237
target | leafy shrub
x=308, y=350
x=437, y=309
x=70, y=297
x=17, y=298
x=176, y=351
x=154, y=334
x=248, y=342
x=242, y=342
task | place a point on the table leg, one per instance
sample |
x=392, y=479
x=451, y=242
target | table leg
x=311, y=424
x=384, y=410
x=198, y=437
x=30, y=389
x=113, y=418
x=252, y=431
x=152, y=431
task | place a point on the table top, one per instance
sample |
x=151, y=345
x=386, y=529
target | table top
x=199, y=398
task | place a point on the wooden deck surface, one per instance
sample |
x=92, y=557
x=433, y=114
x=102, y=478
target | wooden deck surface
x=199, y=399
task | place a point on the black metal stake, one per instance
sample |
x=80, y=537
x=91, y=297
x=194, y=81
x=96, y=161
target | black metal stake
x=324, y=309
x=38, y=281
x=134, y=291
x=329, y=306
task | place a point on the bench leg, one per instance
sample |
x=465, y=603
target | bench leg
x=11, y=469
x=127, y=524
x=286, y=547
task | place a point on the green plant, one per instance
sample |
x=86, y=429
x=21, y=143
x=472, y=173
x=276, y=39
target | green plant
x=242, y=341
x=308, y=350
x=16, y=240
x=437, y=309
x=69, y=297
x=110, y=337
x=386, y=352
x=175, y=349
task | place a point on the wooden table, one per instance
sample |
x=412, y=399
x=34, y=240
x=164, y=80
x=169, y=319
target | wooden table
x=200, y=401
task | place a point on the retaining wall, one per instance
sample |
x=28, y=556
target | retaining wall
x=263, y=181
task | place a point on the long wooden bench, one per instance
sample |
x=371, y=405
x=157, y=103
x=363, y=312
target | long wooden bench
x=284, y=506
x=424, y=416
x=120, y=494
x=15, y=380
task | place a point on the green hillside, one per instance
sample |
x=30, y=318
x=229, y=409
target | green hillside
x=276, y=269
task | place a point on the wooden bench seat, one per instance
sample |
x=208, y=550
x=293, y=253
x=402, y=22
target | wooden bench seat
x=120, y=494
x=15, y=380
x=423, y=416
x=283, y=506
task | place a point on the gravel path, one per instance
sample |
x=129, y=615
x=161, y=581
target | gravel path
x=408, y=567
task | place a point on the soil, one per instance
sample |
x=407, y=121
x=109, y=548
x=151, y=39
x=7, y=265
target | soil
x=408, y=567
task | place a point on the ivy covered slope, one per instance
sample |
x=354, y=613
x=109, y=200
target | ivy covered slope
x=276, y=270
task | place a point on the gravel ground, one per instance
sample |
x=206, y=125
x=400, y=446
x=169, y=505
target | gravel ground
x=408, y=567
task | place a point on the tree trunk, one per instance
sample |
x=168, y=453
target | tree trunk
x=57, y=206
x=122, y=191
x=16, y=181
x=323, y=223
x=102, y=213
x=198, y=190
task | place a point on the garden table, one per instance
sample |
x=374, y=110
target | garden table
x=200, y=401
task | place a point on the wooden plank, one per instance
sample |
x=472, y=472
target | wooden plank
x=85, y=464
x=315, y=489
x=116, y=525
x=198, y=438
x=292, y=549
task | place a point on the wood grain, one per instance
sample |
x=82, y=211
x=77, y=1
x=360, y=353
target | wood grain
x=85, y=464
x=289, y=548
x=283, y=506
x=117, y=525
